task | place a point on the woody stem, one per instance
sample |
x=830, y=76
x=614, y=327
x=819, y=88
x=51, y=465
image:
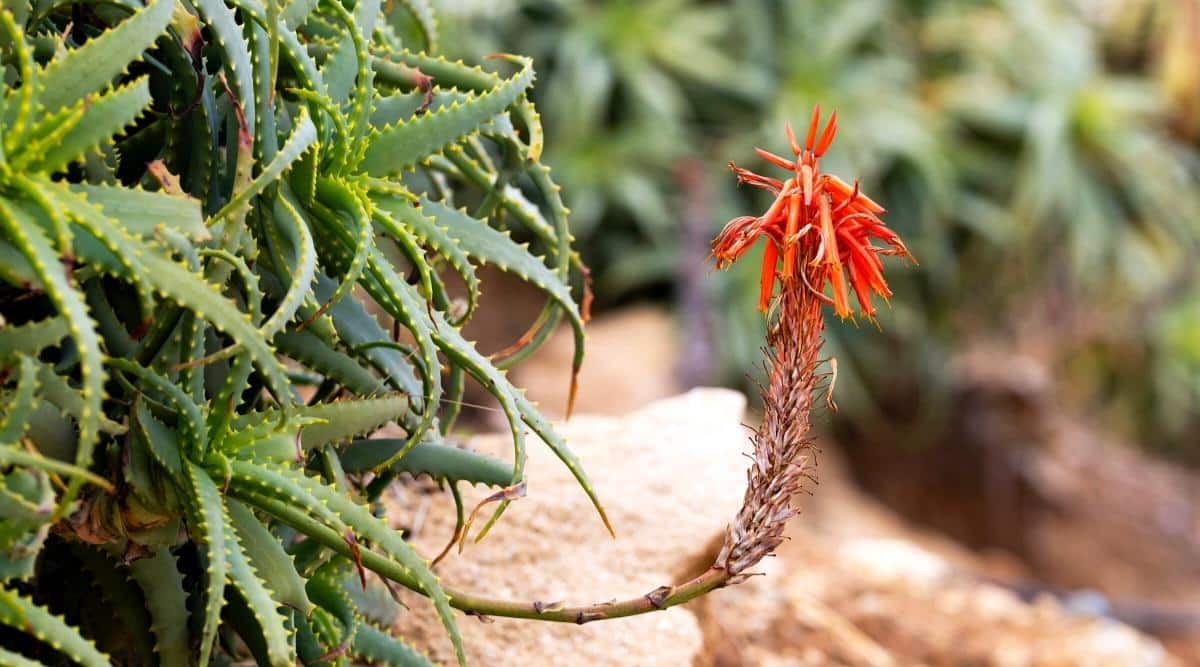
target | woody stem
x=656, y=600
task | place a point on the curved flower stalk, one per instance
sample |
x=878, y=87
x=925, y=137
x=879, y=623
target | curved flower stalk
x=819, y=231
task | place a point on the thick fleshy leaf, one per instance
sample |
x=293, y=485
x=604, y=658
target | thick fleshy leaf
x=104, y=117
x=94, y=65
x=406, y=144
x=22, y=614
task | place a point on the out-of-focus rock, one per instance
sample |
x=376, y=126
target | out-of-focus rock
x=854, y=586
x=670, y=477
x=631, y=356
x=630, y=362
x=1014, y=468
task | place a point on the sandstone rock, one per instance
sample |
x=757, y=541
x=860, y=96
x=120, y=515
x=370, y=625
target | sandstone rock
x=670, y=476
x=855, y=586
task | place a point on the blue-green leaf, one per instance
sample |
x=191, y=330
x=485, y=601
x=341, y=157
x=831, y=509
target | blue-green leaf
x=93, y=66
x=404, y=145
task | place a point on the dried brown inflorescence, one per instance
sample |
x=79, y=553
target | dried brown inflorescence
x=783, y=448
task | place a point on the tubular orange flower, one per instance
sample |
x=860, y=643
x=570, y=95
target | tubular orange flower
x=820, y=226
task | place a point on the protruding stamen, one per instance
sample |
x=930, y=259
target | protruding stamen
x=832, y=383
x=815, y=292
x=849, y=200
x=757, y=180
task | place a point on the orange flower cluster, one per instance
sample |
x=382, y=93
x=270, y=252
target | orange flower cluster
x=817, y=220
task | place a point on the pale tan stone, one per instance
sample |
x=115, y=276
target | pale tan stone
x=858, y=587
x=670, y=476
x=855, y=585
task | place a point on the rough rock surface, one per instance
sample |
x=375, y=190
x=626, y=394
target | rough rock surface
x=855, y=586
x=669, y=475
x=1091, y=517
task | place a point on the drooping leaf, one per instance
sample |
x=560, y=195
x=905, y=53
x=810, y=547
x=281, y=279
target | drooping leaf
x=206, y=523
x=162, y=584
x=437, y=461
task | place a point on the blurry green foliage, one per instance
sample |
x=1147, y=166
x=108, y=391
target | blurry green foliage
x=1039, y=158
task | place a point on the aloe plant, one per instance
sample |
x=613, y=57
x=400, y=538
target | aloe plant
x=226, y=233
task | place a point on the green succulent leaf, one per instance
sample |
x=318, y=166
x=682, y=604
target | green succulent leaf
x=33, y=337
x=376, y=645
x=435, y=460
x=161, y=582
x=366, y=527
x=22, y=614
x=333, y=422
x=227, y=235
x=104, y=117
x=142, y=213
x=38, y=251
x=206, y=521
x=228, y=34
x=268, y=558
x=303, y=135
x=17, y=660
x=404, y=145
x=247, y=580
x=79, y=72
x=122, y=598
x=16, y=412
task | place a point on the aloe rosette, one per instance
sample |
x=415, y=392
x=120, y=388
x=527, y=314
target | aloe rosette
x=229, y=238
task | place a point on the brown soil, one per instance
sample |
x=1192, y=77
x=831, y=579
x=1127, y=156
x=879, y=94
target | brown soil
x=1082, y=511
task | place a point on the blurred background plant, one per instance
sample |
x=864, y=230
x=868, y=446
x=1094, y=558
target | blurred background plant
x=1040, y=157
